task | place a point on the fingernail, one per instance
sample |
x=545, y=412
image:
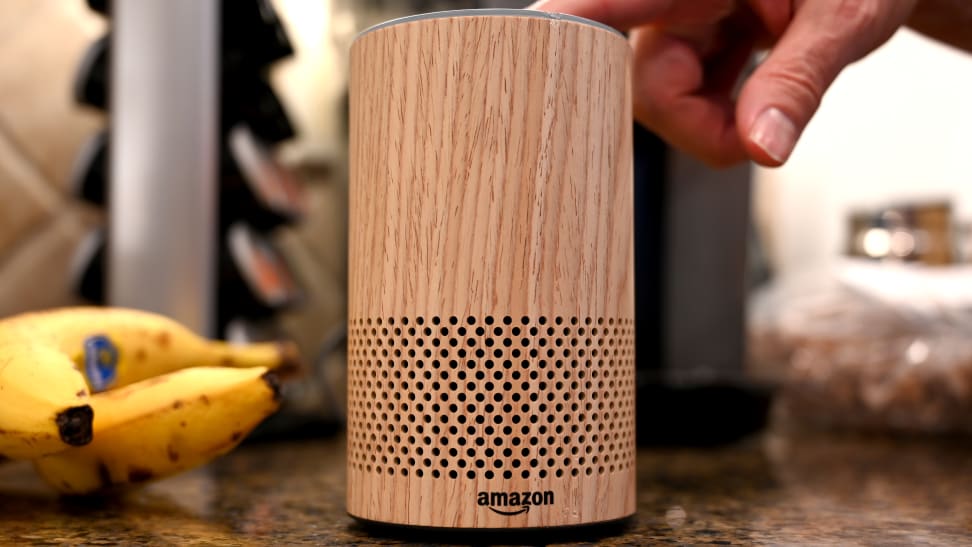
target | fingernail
x=774, y=133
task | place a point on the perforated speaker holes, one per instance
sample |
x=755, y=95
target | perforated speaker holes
x=491, y=397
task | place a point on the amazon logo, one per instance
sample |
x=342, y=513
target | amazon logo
x=513, y=503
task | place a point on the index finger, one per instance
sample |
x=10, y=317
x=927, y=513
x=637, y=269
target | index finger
x=627, y=14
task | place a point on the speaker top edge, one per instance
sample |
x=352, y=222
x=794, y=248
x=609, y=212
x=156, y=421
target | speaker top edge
x=489, y=12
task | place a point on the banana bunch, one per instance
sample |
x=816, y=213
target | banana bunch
x=103, y=397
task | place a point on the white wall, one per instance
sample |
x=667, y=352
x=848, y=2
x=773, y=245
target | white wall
x=896, y=125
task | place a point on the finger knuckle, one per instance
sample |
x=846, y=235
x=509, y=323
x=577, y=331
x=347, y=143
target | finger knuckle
x=800, y=81
x=858, y=15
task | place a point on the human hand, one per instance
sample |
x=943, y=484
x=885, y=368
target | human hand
x=689, y=54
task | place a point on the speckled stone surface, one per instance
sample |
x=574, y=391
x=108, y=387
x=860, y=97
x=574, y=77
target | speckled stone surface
x=774, y=490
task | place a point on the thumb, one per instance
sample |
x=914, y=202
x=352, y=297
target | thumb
x=781, y=96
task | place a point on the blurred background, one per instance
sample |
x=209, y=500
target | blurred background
x=832, y=292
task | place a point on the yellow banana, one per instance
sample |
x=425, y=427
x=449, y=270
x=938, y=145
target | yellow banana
x=162, y=426
x=115, y=347
x=43, y=402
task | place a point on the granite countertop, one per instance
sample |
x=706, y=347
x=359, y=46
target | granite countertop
x=772, y=489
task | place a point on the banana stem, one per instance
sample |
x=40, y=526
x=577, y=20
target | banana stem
x=283, y=356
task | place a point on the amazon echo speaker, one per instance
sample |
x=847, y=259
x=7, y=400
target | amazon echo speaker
x=491, y=278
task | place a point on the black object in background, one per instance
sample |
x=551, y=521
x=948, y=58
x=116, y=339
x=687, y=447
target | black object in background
x=256, y=281
x=100, y=6
x=253, y=37
x=88, y=179
x=88, y=267
x=650, y=170
x=250, y=99
x=255, y=186
x=257, y=194
x=91, y=81
x=691, y=231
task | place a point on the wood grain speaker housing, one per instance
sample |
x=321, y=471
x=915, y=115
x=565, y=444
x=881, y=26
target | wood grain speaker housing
x=491, y=272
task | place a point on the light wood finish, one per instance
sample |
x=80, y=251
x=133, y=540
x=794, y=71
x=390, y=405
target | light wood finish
x=491, y=273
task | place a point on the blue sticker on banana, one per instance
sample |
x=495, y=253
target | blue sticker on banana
x=100, y=362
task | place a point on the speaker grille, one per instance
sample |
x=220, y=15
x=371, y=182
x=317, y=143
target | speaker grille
x=491, y=397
